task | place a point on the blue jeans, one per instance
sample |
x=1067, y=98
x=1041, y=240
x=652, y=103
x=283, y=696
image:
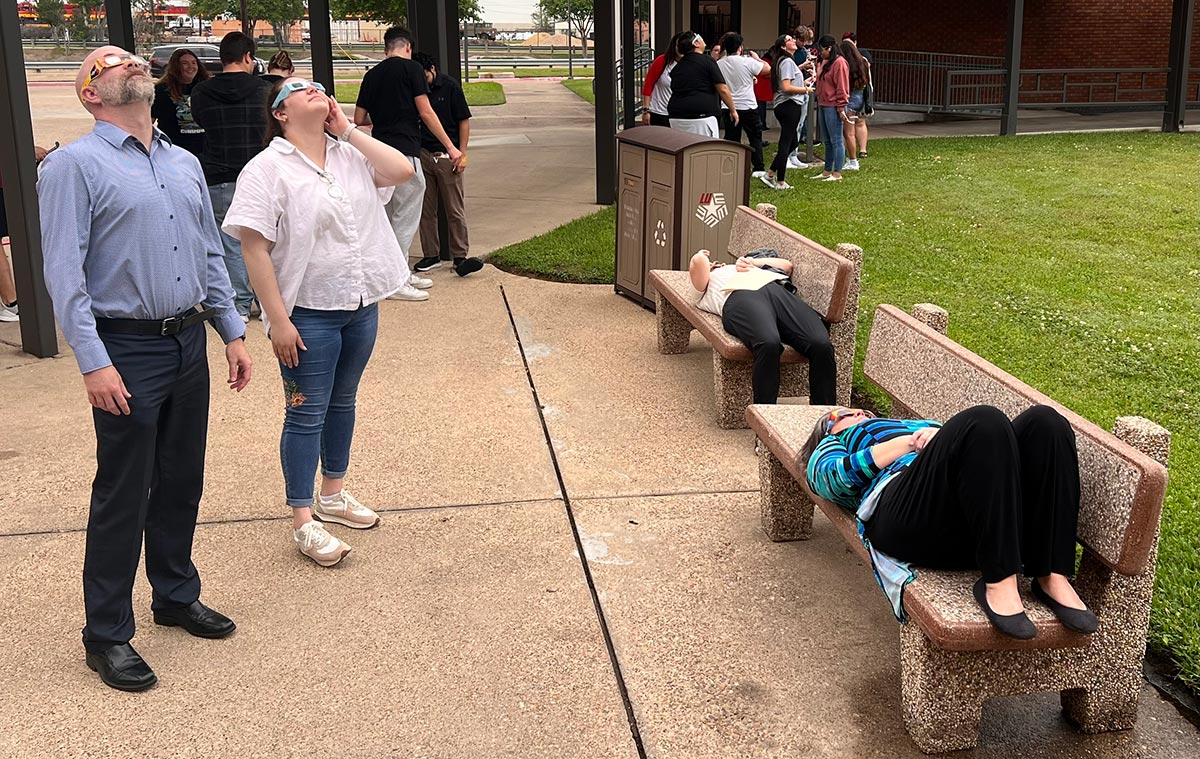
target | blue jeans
x=835, y=146
x=222, y=196
x=319, y=395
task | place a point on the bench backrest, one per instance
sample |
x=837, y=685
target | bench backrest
x=1122, y=488
x=822, y=277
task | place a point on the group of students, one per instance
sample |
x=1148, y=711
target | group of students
x=687, y=89
x=319, y=213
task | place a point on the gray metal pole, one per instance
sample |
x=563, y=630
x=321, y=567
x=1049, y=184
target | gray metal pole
x=1182, y=18
x=119, y=16
x=604, y=53
x=571, y=45
x=320, y=33
x=19, y=173
x=1012, y=65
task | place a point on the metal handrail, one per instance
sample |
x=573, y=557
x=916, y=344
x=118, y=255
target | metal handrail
x=1108, y=90
x=478, y=63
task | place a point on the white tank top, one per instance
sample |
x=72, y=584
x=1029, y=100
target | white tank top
x=662, y=91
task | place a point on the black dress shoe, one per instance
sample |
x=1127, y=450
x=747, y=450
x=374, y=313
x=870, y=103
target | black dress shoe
x=1079, y=620
x=120, y=667
x=197, y=619
x=1013, y=625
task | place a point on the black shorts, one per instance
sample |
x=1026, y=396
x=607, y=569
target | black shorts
x=3, y=216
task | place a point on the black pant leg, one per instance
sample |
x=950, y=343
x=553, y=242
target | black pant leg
x=733, y=132
x=1049, y=491
x=125, y=455
x=958, y=505
x=788, y=113
x=803, y=329
x=753, y=128
x=657, y=119
x=179, y=477
x=749, y=316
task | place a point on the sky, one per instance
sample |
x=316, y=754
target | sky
x=507, y=11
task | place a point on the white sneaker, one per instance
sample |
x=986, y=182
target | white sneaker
x=245, y=318
x=758, y=174
x=421, y=283
x=782, y=186
x=768, y=180
x=408, y=292
x=344, y=509
x=832, y=178
x=794, y=162
x=852, y=165
x=820, y=176
x=9, y=313
x=317, y=544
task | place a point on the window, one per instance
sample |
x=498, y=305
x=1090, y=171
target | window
x=712, y=18
x=794, y=13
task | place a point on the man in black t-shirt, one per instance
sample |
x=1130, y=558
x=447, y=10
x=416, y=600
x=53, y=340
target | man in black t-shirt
x=394, y=100
x=444, y=176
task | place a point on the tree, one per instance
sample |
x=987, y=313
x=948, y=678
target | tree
x=542, y=21
x=280, y=14
x=396, y=11
x=580, y=17
x=53, y=13
x=81, y=27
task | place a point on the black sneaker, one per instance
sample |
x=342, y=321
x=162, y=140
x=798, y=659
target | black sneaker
x=428, y=263
x=465, y=266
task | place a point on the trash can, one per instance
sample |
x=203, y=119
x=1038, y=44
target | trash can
x=676, y=194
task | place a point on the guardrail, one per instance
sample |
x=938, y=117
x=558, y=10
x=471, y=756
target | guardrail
x=476, y=64
x=1064, y=88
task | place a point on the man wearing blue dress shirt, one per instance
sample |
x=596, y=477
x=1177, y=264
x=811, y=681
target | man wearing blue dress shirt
x=134, y=266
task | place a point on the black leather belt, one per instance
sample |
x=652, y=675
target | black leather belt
x=159, y=327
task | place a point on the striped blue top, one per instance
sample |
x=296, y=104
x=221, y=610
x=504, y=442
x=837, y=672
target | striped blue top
x=129, y=234
x=842, y=470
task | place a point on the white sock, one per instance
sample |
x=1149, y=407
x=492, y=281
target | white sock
x=328, y=499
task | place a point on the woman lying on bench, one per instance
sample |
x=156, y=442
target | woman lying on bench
x=979, y=492
x=765, y=320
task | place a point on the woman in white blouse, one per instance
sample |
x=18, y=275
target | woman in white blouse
x=321, y=255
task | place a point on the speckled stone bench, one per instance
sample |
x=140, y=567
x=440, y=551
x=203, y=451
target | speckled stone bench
x=951, y=659
x=827, y=281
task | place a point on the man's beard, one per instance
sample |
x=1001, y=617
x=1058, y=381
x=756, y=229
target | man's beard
x=127, y=91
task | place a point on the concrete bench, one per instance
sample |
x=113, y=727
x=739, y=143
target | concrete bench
x=827, y=281
x=951, y=659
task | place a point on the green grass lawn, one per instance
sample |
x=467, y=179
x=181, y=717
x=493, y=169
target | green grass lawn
x=478, y=93
x=582, y=88
x=1072, y=261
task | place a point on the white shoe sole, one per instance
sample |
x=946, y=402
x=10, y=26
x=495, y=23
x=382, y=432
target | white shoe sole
x=331, y=561
x=411, y=300
x=425, y=285
x=438, y=265
x=343, y=521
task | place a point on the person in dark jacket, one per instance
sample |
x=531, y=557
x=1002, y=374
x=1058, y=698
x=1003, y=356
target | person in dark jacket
x=172, y=107
x=232, y=109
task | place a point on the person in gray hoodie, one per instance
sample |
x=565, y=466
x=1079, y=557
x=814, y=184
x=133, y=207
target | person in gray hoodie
x=231, y=107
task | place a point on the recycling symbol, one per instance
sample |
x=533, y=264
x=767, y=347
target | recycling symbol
x=660, y=234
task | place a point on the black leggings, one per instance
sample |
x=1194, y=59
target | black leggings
x=771, y=317
x=657, y=119
x=788, y=113
x=987, y=494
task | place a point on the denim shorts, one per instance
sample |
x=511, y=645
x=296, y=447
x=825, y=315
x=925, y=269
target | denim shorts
x=856, y=102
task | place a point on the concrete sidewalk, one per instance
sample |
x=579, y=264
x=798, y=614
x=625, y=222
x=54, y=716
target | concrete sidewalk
x=467, y=624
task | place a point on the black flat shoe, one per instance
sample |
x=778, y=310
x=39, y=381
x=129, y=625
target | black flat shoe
x=1079, y=620
x=197, y=619
x=466, y=266
x=1013, y=625
x=120, y=667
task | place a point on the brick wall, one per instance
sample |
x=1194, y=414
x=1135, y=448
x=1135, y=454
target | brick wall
x=1056, y=34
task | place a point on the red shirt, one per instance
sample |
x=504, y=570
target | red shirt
x=762, y=88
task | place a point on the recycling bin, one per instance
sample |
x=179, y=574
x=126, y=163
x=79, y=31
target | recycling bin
x=676, y=194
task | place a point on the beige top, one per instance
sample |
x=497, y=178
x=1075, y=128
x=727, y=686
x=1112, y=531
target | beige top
x=713, y=298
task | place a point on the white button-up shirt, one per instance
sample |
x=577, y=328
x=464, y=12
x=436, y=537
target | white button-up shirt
x=331, y=244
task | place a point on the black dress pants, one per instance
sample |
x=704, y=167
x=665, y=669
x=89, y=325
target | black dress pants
x=768, y=319
x=149, y=478
x=748, y=121
x=987, y=494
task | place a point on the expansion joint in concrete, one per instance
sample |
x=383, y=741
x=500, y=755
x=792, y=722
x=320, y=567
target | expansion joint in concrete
x=587, y=570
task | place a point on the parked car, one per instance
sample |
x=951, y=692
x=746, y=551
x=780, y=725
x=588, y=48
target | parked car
x=209, y=55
